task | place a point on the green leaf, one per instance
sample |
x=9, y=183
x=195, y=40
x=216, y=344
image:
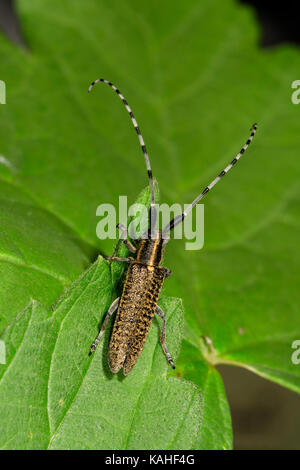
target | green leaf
x=53, y=373
x=195, y=114
x=215, y=431
x=50, y=387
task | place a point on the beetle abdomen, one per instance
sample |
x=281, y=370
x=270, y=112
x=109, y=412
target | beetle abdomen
x=134, y=316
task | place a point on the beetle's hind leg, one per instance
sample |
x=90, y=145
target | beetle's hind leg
x=124, y=234
x=110, y=312
x=161, y=314
x=168, y=272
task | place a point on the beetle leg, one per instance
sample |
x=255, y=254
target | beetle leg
x=110, y=312
x=130, y=246
x=116, y=258
x=168, y=272
x=161, y=314
x=124, y=234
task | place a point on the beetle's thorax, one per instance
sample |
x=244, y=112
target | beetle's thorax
x=150, y=250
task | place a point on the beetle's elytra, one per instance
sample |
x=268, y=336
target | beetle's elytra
x=145, y=276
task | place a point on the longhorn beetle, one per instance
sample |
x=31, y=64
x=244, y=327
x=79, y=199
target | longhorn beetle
x=145, y=275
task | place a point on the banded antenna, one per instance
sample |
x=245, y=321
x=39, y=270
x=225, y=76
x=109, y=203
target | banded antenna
x=142, y=144
x=179, y=218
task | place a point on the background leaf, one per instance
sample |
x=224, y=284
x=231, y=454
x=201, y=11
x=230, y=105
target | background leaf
x=70, y=152
x=57, y=389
